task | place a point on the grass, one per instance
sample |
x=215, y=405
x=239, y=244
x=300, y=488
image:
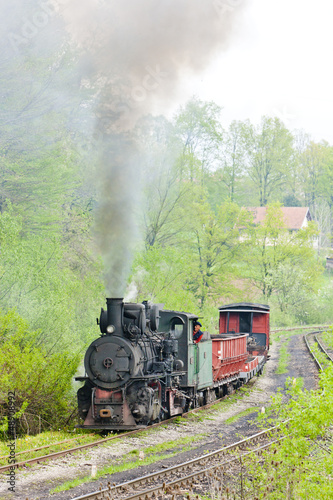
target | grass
x=283, y=359
x=132, y=460
x=284, y=355
x=47, y=438
x=241, y=414
x=82, y=437
x=328, y=338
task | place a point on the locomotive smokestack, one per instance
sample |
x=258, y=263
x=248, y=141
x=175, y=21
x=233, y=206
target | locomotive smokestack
x=115, y=313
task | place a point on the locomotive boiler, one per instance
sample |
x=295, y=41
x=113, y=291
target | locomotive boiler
x=145, y=366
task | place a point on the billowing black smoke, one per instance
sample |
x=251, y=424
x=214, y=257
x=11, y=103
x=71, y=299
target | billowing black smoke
x=134, y=54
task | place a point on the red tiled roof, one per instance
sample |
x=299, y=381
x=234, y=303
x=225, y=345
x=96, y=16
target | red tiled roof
x=294, y=217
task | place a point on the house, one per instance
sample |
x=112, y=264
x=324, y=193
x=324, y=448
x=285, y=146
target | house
x=295, y=218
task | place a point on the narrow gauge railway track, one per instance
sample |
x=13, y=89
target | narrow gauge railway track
x=293, y=328
x=312, y=339
x=323, y=349
x=62, y=453
x=102, y=441
x=184, y=477
x=51, y=445
x=179, y=480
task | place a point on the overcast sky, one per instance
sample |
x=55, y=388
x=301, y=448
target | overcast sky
x=279, y=62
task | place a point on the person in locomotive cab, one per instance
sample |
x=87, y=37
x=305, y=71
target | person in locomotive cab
x=197, y=333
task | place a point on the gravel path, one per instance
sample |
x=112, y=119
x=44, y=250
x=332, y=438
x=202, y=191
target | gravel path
x=37, y=482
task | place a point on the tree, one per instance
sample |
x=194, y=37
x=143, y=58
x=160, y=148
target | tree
x=314, y=161
x=215, y=247
x=53, y=284
x=40, y=379
x=233, y=157
x=199, y=131
x=166, y=193
x=160, y=275
x=278, y=256
x=269, y=152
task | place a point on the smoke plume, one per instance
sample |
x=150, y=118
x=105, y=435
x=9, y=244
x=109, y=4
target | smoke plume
x=135, y=54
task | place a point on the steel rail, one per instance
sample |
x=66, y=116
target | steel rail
x=195, y=461
x=292, y=328
x=62, y=453
x=110, y=491
x=322, y=348
x=98, y=442
x=169, y=487
x=58, y=443
x=310, y=350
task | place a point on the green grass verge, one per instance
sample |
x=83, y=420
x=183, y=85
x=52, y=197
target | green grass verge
x=283, y=359
x=47, y=438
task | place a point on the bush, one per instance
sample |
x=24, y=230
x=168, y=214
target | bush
x=40, y=379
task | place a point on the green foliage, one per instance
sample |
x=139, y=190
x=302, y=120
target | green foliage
x=284, y=356
x=215, y=247
x=206, y=251
x=197, y=272
x=51, y=281
x=270, y=154
x=40, y=379
x=282, y=264
x=300, y=465
x=159, y=275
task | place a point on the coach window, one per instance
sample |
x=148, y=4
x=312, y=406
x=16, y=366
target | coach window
x=245, y=322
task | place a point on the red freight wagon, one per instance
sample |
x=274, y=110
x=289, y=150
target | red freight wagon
x=252, y=366
x=249, y=318
x=229, y=355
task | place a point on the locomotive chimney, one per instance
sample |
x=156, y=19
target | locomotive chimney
x=115, y=313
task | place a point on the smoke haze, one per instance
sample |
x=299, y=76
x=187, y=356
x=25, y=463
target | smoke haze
x=145, y=47
x=133, y=54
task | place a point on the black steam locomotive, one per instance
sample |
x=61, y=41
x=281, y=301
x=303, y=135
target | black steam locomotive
x=132, y=371
x=145, y=366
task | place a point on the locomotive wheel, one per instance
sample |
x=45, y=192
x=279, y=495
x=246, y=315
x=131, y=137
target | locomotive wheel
x=230, y=389
x=210, y=396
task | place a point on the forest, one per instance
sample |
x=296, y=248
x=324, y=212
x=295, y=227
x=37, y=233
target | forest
x=157, y=211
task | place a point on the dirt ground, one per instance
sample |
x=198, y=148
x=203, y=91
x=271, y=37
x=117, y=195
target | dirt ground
x=36, y=483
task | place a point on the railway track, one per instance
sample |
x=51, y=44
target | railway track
x=293, y=328
x=311, y=340
x=62, y=453
x=188, y=477
x=323, y=348
x=199, y=474
x=124, y=435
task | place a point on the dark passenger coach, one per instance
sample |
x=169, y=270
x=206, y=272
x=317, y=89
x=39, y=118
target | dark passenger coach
x=245, y=317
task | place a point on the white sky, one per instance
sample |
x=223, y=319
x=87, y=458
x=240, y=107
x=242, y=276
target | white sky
x=279, y=62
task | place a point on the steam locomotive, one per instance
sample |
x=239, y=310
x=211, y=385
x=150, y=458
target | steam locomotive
x=145, y=366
